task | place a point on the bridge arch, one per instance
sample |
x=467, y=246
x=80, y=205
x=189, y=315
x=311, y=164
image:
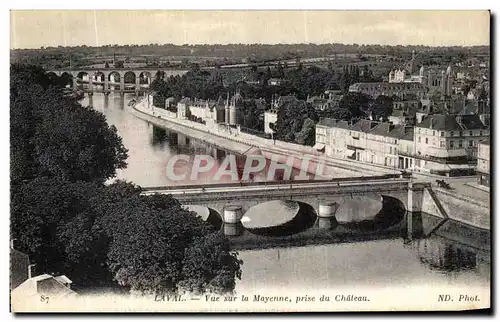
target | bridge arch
x=66, y=78
x=82, y=79
x=129, y=78
x=145, y=78
x=114, y=79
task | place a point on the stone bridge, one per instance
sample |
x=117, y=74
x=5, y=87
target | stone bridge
x=139, y=78
x=347, y=201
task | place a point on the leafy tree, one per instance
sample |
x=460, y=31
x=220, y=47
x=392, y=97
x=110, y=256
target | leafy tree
x=206, y=270
x=291, y=117
x=154, y=242
x=69, y=222
x=56, y=136
x=252, y=116
x=338, y=113
x=355, y=103
x=307, y=134
x=382, y=107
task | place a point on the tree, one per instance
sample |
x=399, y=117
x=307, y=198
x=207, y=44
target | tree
x=338, y=113
x=382, y=107
x=106, y=65
x=291, y=117
x=307, y=134
x=155, y=243
x=119, y=64
x=69, y=222
x=355, y=103
x=55, y=136
x=252, y=115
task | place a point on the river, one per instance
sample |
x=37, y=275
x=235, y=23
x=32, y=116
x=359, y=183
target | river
x=437, y=260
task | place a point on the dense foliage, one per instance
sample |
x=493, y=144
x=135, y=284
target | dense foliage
x=295, y=123
x=153, y=54
x=69, y=222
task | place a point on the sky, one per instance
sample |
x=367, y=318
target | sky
x=36, y=28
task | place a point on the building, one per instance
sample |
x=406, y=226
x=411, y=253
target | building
x=356, y=141
x=270, y=117
x=332, y=134
x=483, y=162
x=440, y=144
x=447, y=144
x=211, y=112
x=53, y=287
x=404, y=112
x=381, y=148
x=376, y=89
x=275, y=82
x=19, y=264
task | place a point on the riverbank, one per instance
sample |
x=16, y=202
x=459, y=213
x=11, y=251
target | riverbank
x=243, y=142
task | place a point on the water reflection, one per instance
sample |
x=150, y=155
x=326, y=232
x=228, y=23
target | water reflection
x=386, y=263
x=441, y=254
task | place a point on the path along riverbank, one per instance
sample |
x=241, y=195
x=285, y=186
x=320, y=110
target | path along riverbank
x=243, y=142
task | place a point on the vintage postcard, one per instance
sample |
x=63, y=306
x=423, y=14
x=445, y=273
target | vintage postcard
x=249, y=161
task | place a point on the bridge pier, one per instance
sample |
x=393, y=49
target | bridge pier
x=75, y=82
x=326, y=215
x=91, y=99
x=137, y=84
x=106, y=84
x=414, y=210
x=231, y=218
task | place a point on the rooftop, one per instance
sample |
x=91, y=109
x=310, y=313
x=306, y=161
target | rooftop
x=364, y=125
x=334, y=123
x=442, y=122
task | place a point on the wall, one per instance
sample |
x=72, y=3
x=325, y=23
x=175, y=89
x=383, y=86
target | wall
x=465, y=209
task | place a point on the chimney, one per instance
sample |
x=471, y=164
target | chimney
x=31, y=270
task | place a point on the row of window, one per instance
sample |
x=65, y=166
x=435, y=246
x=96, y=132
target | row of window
x=452, y=133
x=442, y=143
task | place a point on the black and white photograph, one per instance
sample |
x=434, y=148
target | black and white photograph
x=250, y=161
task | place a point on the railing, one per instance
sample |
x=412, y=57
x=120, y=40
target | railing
x=255, y=132
x=272, y=183
x=461, y=160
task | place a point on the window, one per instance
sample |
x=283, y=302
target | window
x=442, y=144
x=452, y=144
x=452, y=133
x=460, y=133
x=433, y=133
x=390, y=150
x=471, y=143
x=480, y=133
x=460, y=143
x=426, y=141
x=419, y=139
x=470, y=133
x=442, y=133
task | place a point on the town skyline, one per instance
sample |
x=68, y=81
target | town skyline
x=71, y=28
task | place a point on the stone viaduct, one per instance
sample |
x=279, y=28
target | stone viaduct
x=106, y=77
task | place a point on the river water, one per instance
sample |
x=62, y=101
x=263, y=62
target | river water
x=436, y=260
